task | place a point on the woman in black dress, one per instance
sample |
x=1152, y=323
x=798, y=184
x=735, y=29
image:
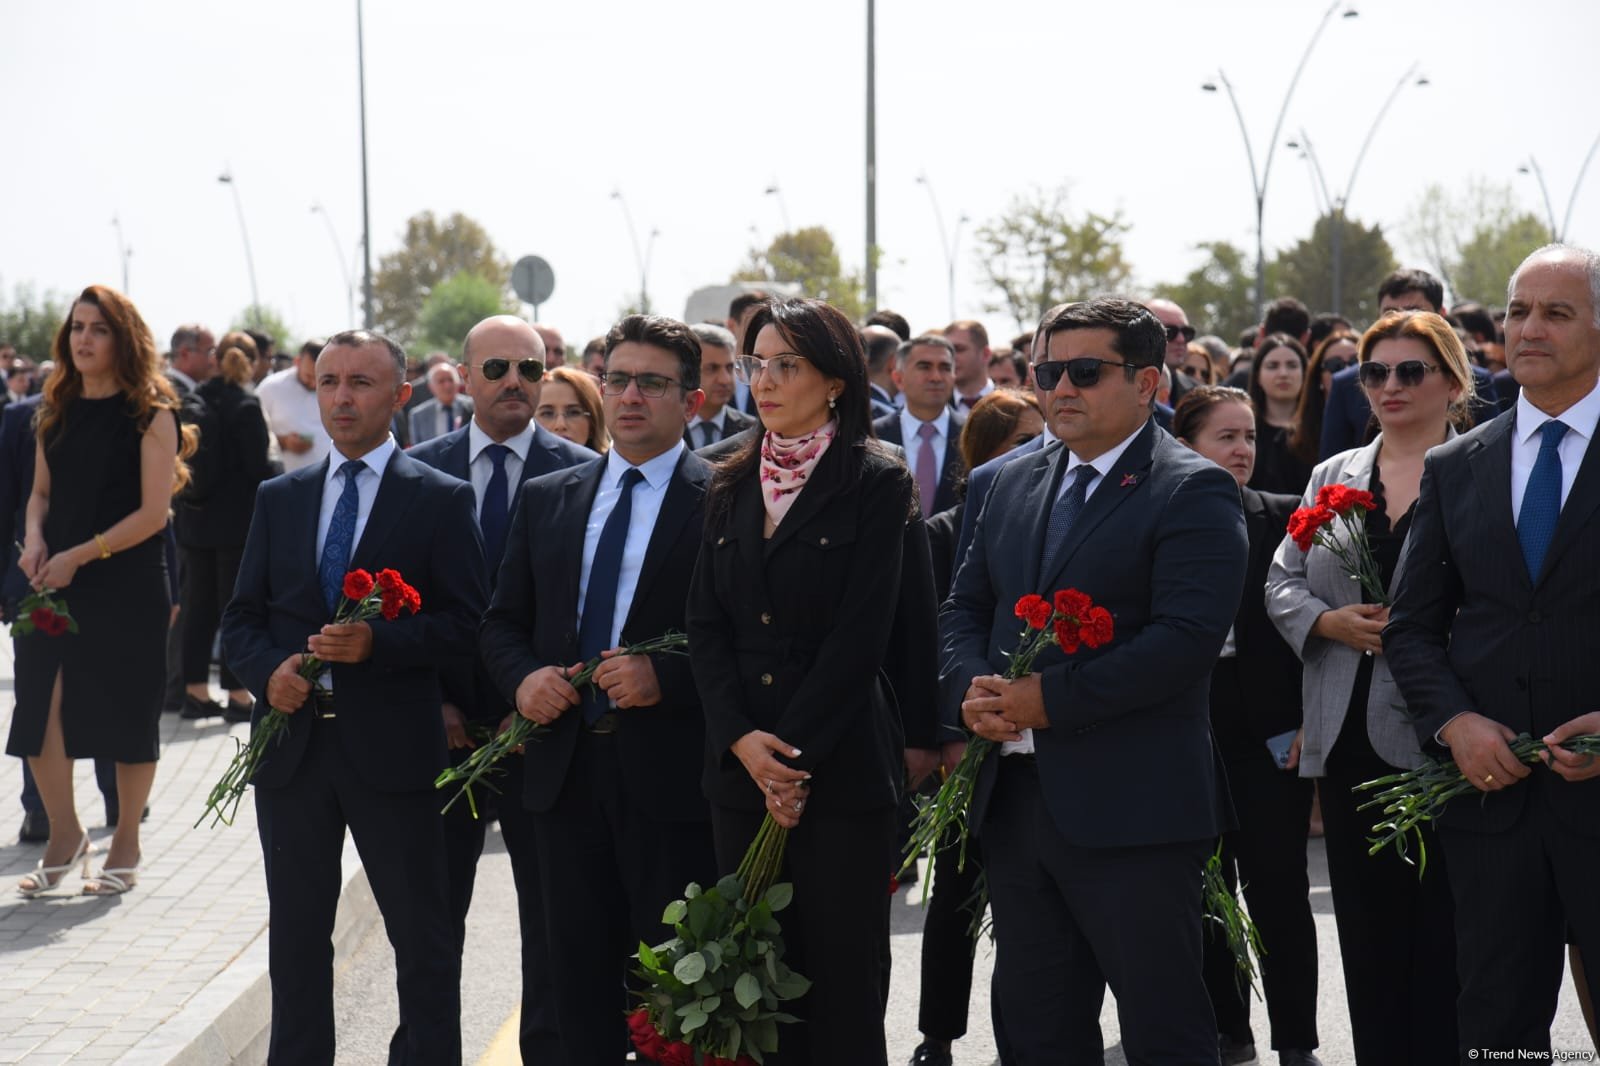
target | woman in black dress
x=811, y=620
x=107, y=466
x=1277, y=377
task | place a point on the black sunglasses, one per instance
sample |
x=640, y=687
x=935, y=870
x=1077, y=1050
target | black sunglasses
x=495, y=369
x=1335, y=364
x=1083, y=373
x=1410, y=372
x=1174, y=332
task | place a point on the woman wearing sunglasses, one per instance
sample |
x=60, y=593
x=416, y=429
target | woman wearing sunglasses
x=1395, y=931
x=1336, y=352
x=811, y=615
x=569, y=407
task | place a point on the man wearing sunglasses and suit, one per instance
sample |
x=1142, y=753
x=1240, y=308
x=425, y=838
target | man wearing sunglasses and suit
x=1097, y=813
x=498, y=449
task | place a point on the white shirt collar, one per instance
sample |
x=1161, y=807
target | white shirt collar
x=478, y=440
x=909, y=423
x=377, y=460
x=717, y=420
x=1105, y=463
x=181, y=376
x=657, y=472
x=1581, y=418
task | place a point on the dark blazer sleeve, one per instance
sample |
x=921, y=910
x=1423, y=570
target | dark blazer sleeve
x=505, y=640
x=246, y=637
x=967, y=614
x=912, y=663
x=247, y=430
x=1346, y=415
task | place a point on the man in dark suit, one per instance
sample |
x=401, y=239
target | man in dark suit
x=927, y=427
x=600, y=556
x=446, y=412
x=1347, y=420
x=1492, y=635
x=361, y=750
x=1094, y=870
x=717, y=418
x=496, y=452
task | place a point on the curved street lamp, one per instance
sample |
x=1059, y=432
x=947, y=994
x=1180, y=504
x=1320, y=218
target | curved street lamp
x=1532, y=166
x=226, y=178
x=641, y=258
x=947, y=242
x=344, y=268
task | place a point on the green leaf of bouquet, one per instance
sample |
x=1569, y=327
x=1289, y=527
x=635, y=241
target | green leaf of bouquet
x=694, y=1020
x=700, y=914
x=779, y=896
x=710, y=1004
x=691, y=891
x=747, y=990
x=648, y=957
x=729, y=888
x=713, y=952
x=690, y=968
x=674, y=912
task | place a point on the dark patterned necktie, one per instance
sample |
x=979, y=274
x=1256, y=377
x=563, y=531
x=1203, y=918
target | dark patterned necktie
x=1541, y=500
x=1065, y=512
x=341, y=539
x=600, y=599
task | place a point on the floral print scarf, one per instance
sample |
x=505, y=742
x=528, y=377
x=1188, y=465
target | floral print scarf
x=786, y=463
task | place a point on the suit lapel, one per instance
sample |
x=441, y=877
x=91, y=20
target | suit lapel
x=571, y=529
x=1576, y=512
x=396, y=490
x=1037, y=501
x=308, y=490
x=458, y=460
x=1122, y=483
x=1490, y=463
x=686, y=488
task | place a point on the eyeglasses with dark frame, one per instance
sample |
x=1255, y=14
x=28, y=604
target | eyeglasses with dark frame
x=1408, y=373
x=616, y=382
x=783, y=367
x=530, y=370
x=1084, y=373
x=1174, y=332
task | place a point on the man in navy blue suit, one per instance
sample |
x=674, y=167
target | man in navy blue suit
x=496, y=451
x=1103, y=801
x=363, y=747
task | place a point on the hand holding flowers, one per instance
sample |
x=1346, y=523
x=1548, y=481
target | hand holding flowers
x=1315, y=525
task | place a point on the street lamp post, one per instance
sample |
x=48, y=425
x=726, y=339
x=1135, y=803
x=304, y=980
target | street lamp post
x=1532, y=166
x=344, y=267
x=226, y=178
x=947, y=242
x=366, y=213
x=783, y=209
x=124, y=253
x=1259, y=180
x=641, y=258
x=872, y=157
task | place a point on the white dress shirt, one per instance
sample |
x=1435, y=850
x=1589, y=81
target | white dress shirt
x=720, y=420
x=648, y=496
x=290, y=407
x=368, y=478
x=1580, y=419
x=956, y=398
x=1103, y=465
x=911, y=441
x=480, y=467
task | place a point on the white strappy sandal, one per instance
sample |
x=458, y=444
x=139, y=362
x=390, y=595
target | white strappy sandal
x=46, y=878
x=112, y=880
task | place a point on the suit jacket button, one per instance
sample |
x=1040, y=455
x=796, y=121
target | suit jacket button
x=823, y=541
x=766, y=618
x=766, y=679
x=722, y=540
x=1534, y=617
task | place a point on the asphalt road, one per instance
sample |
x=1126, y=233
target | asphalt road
x=366, y=1013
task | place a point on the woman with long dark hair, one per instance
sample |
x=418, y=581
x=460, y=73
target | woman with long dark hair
x=1277, y=378
x=108, y=463
x=1334, y=353
x=811, y=619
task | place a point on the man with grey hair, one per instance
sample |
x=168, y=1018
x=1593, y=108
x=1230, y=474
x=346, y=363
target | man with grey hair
x=447, y=411
x=193, y=358
x=717, y=418
x=1492, y=637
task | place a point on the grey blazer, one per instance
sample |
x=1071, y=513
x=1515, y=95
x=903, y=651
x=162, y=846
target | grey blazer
x=1300, y=587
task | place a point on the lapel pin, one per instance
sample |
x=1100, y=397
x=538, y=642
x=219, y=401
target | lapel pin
x=1129, y=479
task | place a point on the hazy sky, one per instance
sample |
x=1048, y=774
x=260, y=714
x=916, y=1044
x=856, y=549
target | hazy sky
x=527, y=115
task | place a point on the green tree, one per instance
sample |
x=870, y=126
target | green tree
x=29, y=320
x=454, y=307
x=1474, y=238
x=431, y=252
x=1219, y=295
x=808, y=258
x=1036, y=256
x=1306, y=269
x=263, y=319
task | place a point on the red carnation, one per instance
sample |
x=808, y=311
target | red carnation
x=54, y=625
x=1035, y=610
x=1306, y=521
x=1072, y=603
x=358, y=585
x=645, y=1037
x=676, y=1054
x=1096, y=629
x=1066, y=635
x=390, y=579
x=1342, y=499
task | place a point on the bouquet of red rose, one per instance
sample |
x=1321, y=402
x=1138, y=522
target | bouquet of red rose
x=1314, y=525
x=478, y=767
x=43, y=612
x=364, y=596
x=1069, y=620
x=714, y=991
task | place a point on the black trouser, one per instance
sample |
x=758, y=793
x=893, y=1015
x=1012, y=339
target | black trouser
x=608, y=870
x=208, y=578
x=948, y=942
x=1072, y=920
x=1518, y=895
x=401, y=842
x=836, y=931
x=1268, y=851
x=1395, y=929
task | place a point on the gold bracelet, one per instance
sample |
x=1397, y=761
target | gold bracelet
x=105, y=549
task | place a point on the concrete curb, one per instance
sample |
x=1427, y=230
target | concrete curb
x=228, y=1022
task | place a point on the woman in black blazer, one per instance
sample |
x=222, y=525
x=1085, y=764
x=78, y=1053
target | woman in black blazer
x=1255, y=712
x=812, y=623
x=213, y=517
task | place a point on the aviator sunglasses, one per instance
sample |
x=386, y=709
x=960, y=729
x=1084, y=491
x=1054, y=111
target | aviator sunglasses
x=1083, y=373
x=531, y=370
x=1410, y=372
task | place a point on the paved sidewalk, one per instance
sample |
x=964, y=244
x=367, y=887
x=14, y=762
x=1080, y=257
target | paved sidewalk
x=173, y=972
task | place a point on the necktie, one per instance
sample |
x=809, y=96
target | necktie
x=449, y=418
x=708, y=434
x=968, y=401
x=341, y=538
x=493, y=516
x=1541, y=501
x=600, y=600
x=1062, y=515
x=927, y=467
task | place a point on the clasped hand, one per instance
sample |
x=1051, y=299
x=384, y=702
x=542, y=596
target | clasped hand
x=1481, y=748
x=999, y=709
x=785, y=787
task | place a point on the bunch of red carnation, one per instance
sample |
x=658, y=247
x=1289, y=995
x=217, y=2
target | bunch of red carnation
x=1309, y=526
x=394, y=594
x=1072, y=616
x=1333, y=501
x=658, y=1049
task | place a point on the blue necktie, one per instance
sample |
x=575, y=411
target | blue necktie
x=449, y=418
x=492, y=516
x=1062, y=515
x=341, y=539
x=1541, y=500
x=600, y=601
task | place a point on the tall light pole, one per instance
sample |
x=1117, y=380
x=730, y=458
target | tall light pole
x=344, y=267
x=226, y=178
x=366, y=212
x=1259, y=180
x=1532, y=166
x=124, y=253
x=947, y=241
x=641, y=258
x=783, y=208
x=872, y=158
x=1338, y=204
